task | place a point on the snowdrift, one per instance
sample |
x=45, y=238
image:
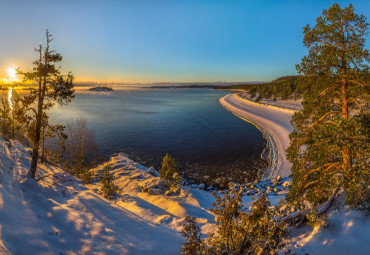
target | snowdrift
x=59, y=215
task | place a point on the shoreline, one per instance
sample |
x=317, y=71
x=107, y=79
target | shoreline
x=274, y=124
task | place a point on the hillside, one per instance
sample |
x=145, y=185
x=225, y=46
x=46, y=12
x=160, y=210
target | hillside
x=59, y=215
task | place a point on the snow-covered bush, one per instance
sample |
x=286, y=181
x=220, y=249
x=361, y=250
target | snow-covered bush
x=194, y=243
x=259, y=231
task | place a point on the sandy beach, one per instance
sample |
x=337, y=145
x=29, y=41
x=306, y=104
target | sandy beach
x=273, y=121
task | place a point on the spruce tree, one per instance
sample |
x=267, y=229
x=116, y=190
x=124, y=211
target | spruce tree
x=169, y=170
x=194, y=244
x=52, y=87
x=108, y=188
x=330, y=142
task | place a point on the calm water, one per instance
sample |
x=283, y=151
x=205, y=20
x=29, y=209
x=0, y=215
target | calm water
x=187, y=123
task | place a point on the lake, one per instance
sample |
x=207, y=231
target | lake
x=189, y=124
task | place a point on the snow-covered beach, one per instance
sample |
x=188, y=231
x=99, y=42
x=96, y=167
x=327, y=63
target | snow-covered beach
x=273, y=120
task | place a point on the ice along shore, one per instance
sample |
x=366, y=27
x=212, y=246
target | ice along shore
x=273, y=120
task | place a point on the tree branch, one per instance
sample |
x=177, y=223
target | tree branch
x=322, y=118
x=357, y=103
x=323, y=208
x=330, y=165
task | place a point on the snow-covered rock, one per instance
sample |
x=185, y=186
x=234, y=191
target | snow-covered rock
x=153, y=172
x=153, y=183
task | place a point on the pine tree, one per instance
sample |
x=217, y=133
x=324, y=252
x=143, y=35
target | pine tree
x=230, y=217
x=264, y=230
x=193, y=244
x=52, y=87
x=108, y=188
x=330, y=142
x=259, y=231
x=169, y=171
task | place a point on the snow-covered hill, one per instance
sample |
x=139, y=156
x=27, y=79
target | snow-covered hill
x=59, y=215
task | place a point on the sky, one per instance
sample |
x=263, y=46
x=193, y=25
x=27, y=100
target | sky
x=162, y=40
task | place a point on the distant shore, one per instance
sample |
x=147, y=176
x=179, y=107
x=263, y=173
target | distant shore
x=274, y=123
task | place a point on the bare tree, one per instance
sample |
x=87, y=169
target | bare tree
x=80, y=145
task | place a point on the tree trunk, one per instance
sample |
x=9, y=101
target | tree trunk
x=35, y=150
x=347, y=164
x=43, y=145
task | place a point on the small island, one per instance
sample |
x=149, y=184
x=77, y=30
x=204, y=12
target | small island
x=101, y=88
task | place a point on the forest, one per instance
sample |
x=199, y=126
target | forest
x=283, y=88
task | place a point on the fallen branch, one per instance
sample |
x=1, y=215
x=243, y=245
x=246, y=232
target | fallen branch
x=321, y=209
x=42, y=177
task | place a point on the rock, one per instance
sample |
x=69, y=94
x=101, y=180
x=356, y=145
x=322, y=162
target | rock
x=153, y=172
x=194, y=186
x=155, y=191
x=286, y=184
x=210, y=187
x=278, y=178
x=201, y=186
x=270, y=193
x=151, y=183
x=168, y=193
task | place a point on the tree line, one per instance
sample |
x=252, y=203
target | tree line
x=283, y=88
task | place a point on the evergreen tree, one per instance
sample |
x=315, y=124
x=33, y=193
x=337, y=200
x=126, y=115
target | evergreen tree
x=193, y=244
x=52, y=87
x=230, y=217
x=108, y=188
x=169, y=171
x=5, y=118
x=259, y=231
x=330, y=142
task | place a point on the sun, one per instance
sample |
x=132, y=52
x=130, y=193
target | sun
x=12, y=72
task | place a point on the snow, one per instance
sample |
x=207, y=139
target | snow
x=274, y=123
x=59, y=215
x=345, y=231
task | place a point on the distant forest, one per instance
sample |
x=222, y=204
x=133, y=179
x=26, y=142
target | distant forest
x=285, y=87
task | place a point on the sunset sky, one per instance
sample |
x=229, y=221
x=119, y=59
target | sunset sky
x=152, y=41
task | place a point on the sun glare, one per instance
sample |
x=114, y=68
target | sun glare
x=12, y=72
x=11, y=75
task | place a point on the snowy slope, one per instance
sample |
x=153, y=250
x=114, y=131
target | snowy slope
x=58, y=215
x=345, y=232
